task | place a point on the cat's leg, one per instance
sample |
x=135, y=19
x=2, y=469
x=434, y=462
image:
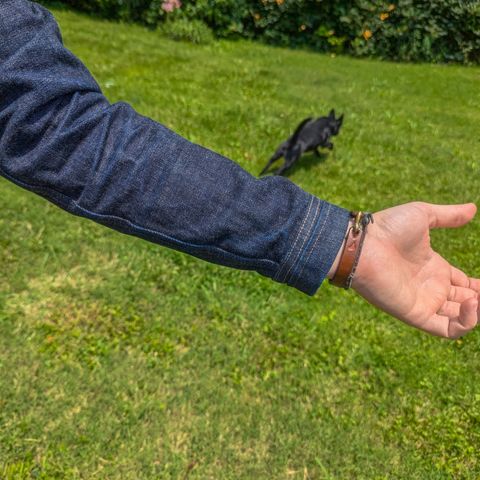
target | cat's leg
x=278, y=154
x=291, y=157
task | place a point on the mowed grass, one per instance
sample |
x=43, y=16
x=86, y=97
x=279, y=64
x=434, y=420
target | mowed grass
x=123, y=360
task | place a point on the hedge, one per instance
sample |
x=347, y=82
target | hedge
x=412, y=30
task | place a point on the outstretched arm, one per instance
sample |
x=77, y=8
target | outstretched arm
x=61, y=138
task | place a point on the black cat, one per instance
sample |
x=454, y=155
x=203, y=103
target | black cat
x=309, y=136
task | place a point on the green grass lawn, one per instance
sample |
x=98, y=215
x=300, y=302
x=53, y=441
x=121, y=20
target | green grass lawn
x=123, y=360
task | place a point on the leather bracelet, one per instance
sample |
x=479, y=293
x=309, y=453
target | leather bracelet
x=352, y=249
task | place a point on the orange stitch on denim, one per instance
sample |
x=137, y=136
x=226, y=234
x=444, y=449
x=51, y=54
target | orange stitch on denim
x=277, y=277
x=74, y=203
x=307, y=234
x=316, y=240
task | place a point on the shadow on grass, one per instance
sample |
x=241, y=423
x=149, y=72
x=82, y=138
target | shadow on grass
x=305, y=163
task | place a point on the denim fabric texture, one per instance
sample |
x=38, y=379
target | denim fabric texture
x=61, y=138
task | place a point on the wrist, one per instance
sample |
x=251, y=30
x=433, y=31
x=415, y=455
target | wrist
x=336, y=262
x=364, y=270
x=344, y=267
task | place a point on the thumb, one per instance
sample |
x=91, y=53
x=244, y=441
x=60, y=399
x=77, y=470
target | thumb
x=449, y=216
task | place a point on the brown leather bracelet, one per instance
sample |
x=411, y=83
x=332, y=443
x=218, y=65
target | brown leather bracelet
x=351, y=250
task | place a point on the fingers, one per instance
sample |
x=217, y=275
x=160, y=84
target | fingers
x=442, y=325
x=458, y=278
x=466, y=321
x=450, y=309
x=460, y=294
x=451, y=216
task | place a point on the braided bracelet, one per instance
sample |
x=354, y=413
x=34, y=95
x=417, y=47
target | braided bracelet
x=351, y=250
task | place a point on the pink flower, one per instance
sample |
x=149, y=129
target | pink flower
x=171, y=5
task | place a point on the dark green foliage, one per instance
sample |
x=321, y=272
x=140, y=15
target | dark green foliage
x=148, y=12
x=438, y=31
x=412, y=30
x=131, y=10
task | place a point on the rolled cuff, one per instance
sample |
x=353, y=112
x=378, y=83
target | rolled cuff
x=314, y=247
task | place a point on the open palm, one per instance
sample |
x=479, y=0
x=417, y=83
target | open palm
x=400, y=273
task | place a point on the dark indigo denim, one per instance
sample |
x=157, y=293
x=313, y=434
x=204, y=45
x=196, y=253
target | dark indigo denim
x=61, y=138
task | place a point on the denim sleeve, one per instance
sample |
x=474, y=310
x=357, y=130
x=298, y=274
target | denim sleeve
x=61, y=138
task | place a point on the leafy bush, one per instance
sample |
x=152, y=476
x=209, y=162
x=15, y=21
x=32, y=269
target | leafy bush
x=194, y=31
x=127, y=10
x=416, y=30
x=437, y=31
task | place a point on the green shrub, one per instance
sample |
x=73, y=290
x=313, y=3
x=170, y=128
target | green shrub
x=412, y=30
x=194, y=31
x=126, y=10
x=435, y=31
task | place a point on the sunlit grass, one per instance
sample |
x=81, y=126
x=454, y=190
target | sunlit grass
x=123, y=360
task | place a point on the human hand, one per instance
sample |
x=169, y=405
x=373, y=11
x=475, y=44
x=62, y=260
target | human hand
x=400, y=273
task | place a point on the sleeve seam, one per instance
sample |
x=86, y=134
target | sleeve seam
x=304, y=230
x=322, y=228
x=68, y=200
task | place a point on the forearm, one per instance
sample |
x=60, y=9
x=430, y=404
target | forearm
x=61, y=138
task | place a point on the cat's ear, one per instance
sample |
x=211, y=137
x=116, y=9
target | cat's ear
x=331, y=114
x=340, y=120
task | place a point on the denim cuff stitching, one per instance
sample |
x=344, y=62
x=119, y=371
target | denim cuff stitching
x=320, y=251
x=315, y=235
x=301, y=236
